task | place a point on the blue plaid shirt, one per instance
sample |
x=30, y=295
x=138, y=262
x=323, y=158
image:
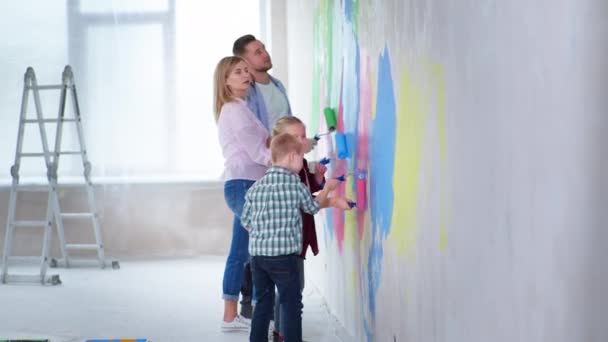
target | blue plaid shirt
x=272, y=213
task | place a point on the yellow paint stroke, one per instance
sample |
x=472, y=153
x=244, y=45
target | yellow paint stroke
x=438, y=81
x=408, y=156
x=443, y=235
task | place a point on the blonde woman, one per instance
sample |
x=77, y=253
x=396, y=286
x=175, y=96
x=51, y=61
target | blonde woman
x=246, y=158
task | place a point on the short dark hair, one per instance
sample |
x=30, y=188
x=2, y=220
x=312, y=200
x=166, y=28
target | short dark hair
x=238, y=48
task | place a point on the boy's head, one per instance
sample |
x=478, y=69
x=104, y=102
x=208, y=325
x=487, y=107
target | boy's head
x=292, y=126
x=287, y=152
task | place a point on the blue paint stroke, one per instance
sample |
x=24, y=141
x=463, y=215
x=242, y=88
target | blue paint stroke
x=349, y=10
x=329, y=216
x=382, y=149
x=374, y=264
x=382, y=154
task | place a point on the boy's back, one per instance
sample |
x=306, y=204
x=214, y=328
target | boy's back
x=272, y=213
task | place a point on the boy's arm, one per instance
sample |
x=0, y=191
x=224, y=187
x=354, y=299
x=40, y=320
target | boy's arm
x=246, y=215
x=340, y=203
x=308, y=203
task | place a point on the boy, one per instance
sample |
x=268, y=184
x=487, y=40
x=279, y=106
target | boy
x=272, y=215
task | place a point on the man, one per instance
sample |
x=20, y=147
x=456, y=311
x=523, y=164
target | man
x=267, y=97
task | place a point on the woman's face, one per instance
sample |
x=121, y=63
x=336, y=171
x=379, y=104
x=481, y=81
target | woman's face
x=239, y=79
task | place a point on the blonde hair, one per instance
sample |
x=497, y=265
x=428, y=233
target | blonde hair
x=282, y=123
x=221, y=91
x=282, y=145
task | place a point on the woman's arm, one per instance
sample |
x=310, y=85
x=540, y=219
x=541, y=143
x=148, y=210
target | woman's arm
x=248, y=132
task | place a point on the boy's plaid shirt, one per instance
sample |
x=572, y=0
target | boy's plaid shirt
x=272, y=213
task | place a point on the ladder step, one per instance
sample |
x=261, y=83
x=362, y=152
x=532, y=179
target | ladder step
x=42, y=154
x=52, y=279
x=77, y=215
x=36, y=154
x=82, y=246
x=48, y=120
x=79, y=262
x=30, y=223
x=46, y=87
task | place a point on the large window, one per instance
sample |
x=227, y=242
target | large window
x=143, y=69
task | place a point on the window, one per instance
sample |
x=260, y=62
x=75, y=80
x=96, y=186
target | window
x=143, y=71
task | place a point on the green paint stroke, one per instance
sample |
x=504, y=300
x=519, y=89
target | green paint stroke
x=328, y=25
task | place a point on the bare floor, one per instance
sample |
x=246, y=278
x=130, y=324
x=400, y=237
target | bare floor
x=161, y=300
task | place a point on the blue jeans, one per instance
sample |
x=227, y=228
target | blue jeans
x=278, y=309
x=281, y=271
x=234, y=194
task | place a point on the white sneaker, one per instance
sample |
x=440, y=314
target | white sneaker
x=239, y=323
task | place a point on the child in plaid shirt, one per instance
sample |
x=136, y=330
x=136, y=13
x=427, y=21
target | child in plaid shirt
x=314, y=180
x=272, y=215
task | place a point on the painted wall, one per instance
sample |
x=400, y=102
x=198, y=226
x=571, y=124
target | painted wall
x=480, y=127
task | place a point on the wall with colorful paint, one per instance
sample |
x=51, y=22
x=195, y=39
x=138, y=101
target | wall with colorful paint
x=478, y=127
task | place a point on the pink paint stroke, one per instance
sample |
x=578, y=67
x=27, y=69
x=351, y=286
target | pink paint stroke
x=365, y=116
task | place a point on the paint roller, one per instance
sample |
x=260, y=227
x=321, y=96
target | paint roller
x=341, y=146
x=330, y=121
x=330, y=118
x=361, y=189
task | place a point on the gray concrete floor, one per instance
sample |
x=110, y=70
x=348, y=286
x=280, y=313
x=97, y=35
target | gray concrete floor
x=161, y=300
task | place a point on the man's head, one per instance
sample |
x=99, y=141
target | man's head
x=287, y=151
x=254, y=52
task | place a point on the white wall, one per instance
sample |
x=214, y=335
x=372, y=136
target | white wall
x=497, y=172
x=145, y=220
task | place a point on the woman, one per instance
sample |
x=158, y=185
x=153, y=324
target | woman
x=246, y=158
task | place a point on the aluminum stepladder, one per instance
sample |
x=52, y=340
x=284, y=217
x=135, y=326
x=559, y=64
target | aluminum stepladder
x=51, y=159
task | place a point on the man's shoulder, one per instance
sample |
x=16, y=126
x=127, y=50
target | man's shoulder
x=276, y=81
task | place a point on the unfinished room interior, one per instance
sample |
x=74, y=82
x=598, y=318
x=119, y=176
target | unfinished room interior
x=304, y=170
